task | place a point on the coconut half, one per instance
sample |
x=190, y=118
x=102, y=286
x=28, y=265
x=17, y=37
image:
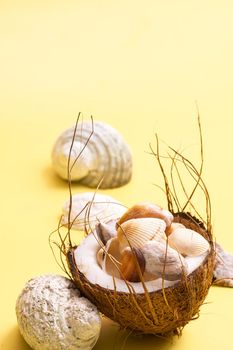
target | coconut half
x=158, y=306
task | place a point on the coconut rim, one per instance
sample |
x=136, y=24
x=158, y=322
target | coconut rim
x=123, y=286
x=76, y=273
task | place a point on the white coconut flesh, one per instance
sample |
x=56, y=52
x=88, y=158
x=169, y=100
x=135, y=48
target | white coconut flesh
x=85, y=256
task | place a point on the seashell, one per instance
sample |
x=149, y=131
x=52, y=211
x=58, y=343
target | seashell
x=89, y=208
x=52, y=314
x=147, y=210
x=129, y=267
x=223, y=272
x=111, y=258
x=163, y=261
x=136, y=232
x=100, y=257
x=174, y=226
x=105, y=158
x=106, y=231
x=188, y=242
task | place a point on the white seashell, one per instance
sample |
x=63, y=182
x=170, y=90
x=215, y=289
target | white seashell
x=106, y=157
x=52, y=315
x=106, y=231
x=163, y=261
x=223, y=272
x=174, y=226
x=136, y=232
x=88, y=209
x=111, y=258
x=167, y=216
x=188, y=242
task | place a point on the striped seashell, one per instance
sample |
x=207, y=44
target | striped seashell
x=52, y=314
x=136, y=232
x=89, y=208
x=163, y=261
x=105, y=159
x=188, y=242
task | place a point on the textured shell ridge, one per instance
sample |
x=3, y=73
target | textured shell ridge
x=52, y=315
x=108, y=157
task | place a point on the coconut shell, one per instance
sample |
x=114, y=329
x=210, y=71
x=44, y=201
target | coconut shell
x=163, y=312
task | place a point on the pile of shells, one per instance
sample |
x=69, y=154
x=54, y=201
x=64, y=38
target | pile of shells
x=157, y=262
x=148, y=243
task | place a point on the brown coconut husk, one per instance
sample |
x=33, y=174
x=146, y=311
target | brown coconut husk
x=166, y=311
x=163, y=312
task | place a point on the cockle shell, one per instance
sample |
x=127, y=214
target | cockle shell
x=147, y=210
x=52, y=315
x=136, y=232
x=188, y=242
x=163, y=261
x=105, y=158
x=89, y=208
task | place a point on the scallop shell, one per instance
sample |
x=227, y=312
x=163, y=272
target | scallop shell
x=89, y=208
x=105, y=158
x=147, y=210
x=188, y=242
x=136, y=232
x=163, y=261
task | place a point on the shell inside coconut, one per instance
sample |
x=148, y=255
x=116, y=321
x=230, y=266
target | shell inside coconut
x=162, y=306
x=156, y=305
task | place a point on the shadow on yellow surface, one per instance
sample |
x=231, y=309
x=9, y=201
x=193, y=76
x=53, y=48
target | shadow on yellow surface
x=13, y=340
x=113, y=338
x=110, y=338
x=52, y=180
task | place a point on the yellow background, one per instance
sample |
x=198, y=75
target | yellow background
x=140, y=66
